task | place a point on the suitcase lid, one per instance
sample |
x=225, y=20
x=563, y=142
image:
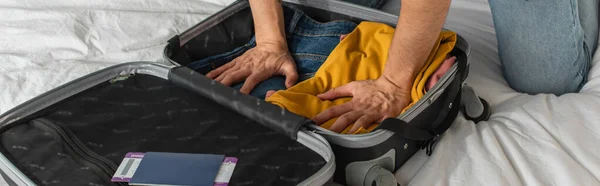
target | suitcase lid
x=248, y=106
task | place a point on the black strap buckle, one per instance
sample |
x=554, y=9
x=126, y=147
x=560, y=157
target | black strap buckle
x=430, y=144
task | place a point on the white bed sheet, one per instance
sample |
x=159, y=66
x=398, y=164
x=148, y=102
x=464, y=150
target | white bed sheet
x=529, y=140
x=44, y=44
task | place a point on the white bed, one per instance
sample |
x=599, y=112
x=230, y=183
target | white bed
x=529, y=140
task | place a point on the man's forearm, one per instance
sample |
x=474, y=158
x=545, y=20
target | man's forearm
x=419, y=26
x=268, y=22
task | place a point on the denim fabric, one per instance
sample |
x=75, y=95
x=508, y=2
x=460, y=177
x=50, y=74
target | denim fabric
x=546, y=46
x=309, y=42
x=368, y=3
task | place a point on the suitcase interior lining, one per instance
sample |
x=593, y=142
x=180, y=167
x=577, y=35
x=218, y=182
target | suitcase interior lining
x=146, y=113
x=238, y=29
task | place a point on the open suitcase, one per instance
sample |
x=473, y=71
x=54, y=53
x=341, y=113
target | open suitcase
x=78, y=133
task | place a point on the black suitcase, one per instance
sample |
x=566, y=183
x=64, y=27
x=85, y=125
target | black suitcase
x=78, y=133
x=418, y=128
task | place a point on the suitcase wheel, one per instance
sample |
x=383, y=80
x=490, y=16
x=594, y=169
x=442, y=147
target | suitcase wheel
x=473, y=107
x=485, y=114
x=379, y=176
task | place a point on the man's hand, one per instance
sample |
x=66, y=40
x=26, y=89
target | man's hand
x=256, y=65
x=270, y=56
x=372, y=102
x=419, y=24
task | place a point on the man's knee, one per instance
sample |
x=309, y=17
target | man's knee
x=543, y=51
x=549, y=76
x=553, y=85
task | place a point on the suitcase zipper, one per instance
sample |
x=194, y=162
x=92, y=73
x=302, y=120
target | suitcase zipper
x=76, y=147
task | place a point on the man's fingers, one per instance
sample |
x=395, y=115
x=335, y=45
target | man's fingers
x=227, y=73
x=343, y=121
x=252, y=81
x=342, y=91
x=332, y=112
x=270, y=93
x=382, y=118
x=290, y=73
x=233, y=66
x=235, y=77
x=365, y=121
x=216, y=72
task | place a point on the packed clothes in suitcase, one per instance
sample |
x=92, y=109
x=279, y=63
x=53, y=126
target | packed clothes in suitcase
x=79, y=133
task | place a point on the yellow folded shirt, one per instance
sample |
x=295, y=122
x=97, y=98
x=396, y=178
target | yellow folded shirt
x=359, y=56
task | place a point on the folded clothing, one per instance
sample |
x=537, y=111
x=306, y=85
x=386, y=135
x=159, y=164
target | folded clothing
x=361, y=55
x=309, y=43
x=437, y=75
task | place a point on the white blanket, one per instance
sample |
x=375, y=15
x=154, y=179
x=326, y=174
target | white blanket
x=44, y=44
x=529, y=140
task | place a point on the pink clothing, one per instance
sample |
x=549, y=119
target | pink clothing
x=343, y=36
x=435, y=77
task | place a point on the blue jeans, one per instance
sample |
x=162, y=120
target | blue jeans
x=309, y=42
x=368, y=3
x=546, y=46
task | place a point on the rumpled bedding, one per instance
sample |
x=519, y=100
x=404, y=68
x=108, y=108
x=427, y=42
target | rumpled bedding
x=529, y=140
x=44, y=44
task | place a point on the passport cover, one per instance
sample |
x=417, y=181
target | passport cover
x=161, y=168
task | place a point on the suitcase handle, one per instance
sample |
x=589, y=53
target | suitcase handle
x=443, y=122
x=269, y=115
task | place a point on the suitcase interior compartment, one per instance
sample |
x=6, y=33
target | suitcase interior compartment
x=233, y=27
x=375, y=147
x=391, y=150
x=82, y=139
x=227, y=30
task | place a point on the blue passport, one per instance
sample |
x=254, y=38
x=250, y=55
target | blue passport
x=161, y=168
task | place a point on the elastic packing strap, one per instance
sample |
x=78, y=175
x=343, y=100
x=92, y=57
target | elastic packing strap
x=444, y=125
x=443, y=122
x=269, y=115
